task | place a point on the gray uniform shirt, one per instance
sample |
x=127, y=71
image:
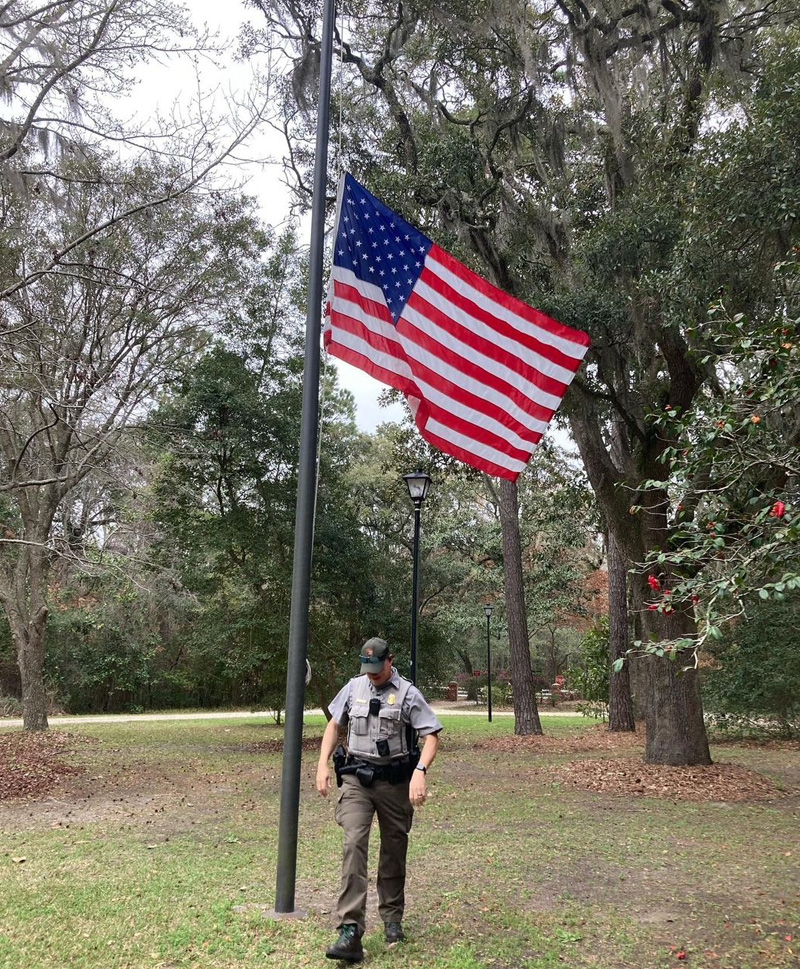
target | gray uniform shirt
x=415, y=709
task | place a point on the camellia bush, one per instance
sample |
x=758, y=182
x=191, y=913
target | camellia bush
x=734, y=473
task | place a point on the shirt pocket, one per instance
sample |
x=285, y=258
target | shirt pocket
x=358, y=720
x=391, y=729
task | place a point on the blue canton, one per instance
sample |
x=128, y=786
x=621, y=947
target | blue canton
x=379, y=246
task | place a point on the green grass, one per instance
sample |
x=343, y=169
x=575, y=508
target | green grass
x=163, y=855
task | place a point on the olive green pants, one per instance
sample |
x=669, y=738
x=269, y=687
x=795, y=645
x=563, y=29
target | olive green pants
x=356, y=806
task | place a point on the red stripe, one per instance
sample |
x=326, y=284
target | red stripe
x=511, y=303
x=364, y=363
x=354, y=295
x=454, y=391
x=527, y=343
x=484, y=349
x=475, y=460
x=479, y=404
x=472, y=369
x=479, y=434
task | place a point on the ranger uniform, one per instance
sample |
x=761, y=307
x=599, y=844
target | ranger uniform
x=383, y=713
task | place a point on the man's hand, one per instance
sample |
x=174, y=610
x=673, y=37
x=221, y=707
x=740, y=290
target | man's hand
x=416, y=789
x=323, y=779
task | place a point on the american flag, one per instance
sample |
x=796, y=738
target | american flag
x=482, y=371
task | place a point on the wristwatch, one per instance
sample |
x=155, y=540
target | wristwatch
x=421, y=767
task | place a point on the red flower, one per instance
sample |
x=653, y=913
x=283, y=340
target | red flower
x=695, y=597
x=653, y=582
x=778, y=510
x=653, y=605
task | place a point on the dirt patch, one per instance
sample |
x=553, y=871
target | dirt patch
x=32, y=763
x=583, y=742
x=276, y=746
x=717, y=782
x=628, y=777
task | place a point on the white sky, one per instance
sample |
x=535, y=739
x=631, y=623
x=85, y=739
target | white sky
x=161, y=86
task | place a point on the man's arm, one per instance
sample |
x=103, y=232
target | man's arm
x=416, y=789
x=329, y=740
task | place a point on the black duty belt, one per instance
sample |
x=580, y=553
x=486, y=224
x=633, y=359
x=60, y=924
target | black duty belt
x=397, y=771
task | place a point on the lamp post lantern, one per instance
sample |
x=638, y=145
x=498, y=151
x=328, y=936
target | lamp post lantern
x=487, y=611
x=417, y=483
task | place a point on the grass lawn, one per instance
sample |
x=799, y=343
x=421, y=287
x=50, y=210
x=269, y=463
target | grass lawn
x=162, y=854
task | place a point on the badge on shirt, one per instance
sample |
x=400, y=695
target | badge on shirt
x=391, y=698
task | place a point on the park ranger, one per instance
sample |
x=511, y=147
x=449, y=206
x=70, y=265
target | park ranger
x=383, y=773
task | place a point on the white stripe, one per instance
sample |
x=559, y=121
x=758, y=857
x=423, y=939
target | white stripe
x=398, y=366
x=472, y=446
x=358, y=344
x=567, y=347
x=392, y=364
x=456, y=348
x=481, y=419
x=414, y=352
x=473, y=325
x=368, y=290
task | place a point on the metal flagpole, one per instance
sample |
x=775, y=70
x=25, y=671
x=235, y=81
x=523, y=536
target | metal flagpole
x=306, y=486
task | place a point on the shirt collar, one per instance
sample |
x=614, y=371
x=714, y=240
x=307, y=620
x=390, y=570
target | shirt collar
x=393, y=681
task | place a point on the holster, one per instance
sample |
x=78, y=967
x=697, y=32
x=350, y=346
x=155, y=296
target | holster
x=339, y=761
x=365, y=775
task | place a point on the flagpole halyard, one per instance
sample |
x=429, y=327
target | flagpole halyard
x=306, y=485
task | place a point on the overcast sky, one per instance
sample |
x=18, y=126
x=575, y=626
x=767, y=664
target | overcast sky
x=161, y=86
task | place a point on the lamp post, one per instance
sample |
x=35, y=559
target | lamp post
x=417, y=483
x=487, y=611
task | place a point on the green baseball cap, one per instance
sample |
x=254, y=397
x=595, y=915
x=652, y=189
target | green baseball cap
x=373, y=655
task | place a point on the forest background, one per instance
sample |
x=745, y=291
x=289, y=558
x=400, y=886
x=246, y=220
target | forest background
x=631, y=171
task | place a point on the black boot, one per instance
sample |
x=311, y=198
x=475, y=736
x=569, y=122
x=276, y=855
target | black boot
x=348, y=946
x=393, y=932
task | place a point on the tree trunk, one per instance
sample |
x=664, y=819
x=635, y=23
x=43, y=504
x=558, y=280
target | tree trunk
x=26, y=610
x=676, y=732
x=29, y=642
x=620, y=704
x=526, y=715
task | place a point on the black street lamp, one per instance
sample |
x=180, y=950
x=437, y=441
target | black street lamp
x=418, y=484
x=487, y=611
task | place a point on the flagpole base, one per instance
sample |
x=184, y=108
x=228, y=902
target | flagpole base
x=297, y=913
